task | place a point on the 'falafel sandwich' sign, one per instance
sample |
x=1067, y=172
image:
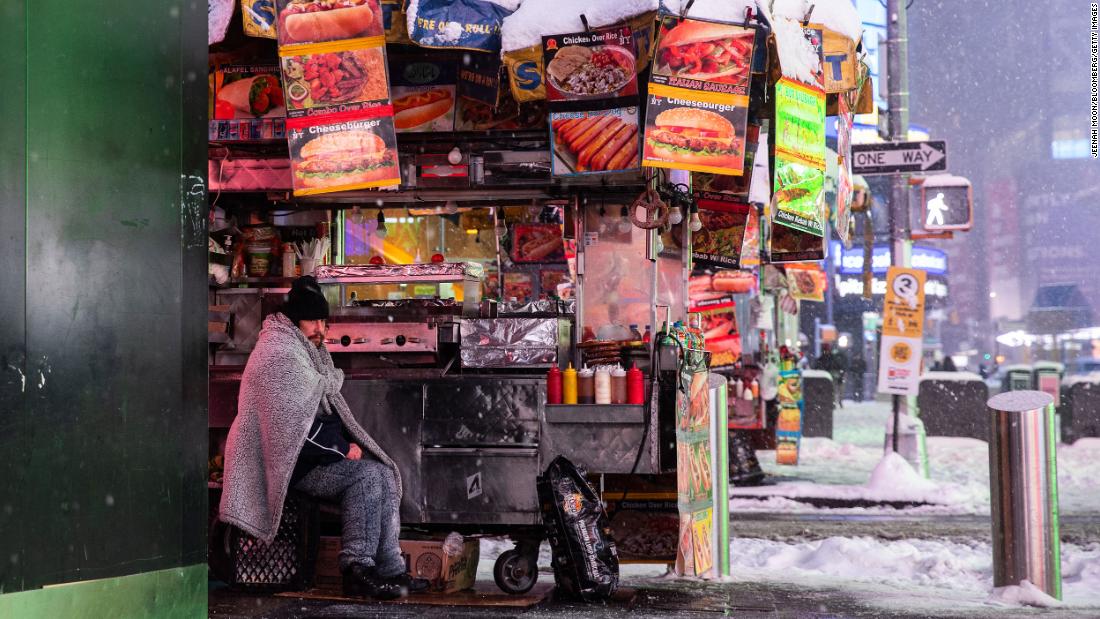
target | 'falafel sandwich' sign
x=697, y=109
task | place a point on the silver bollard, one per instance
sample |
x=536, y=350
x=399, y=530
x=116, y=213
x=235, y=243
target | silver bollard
x=1023, y=488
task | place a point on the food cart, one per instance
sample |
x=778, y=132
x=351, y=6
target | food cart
x=473, y=251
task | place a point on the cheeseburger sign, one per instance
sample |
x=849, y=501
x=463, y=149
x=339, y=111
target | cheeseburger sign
x=697, y=108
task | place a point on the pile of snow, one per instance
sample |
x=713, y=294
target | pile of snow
x=836, y=15
x=718, y=10
x=892, y=480
x=816, y=374
x=535, y=18
x=1024, y=594
x=1073, y=379
x=895, y=474
x=909, y=574
x=842, y=466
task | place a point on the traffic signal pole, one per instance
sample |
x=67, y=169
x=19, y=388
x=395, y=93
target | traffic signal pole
x=897, y=35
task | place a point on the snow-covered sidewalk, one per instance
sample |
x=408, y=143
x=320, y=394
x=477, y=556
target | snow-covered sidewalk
x=842, y=468
x=932, y=575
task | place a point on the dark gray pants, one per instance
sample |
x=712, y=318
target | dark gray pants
x=368, y=496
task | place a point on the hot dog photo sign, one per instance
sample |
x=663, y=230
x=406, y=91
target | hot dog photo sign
x=592, y=90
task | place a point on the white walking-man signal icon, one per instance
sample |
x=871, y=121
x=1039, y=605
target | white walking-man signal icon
x=936, y=208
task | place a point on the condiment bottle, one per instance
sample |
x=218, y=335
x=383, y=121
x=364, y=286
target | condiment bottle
x=603, y=386
x=553, y=386
x=586, y=387
x=648, y=336
x=635, y=334
x=755, y=389
x=569, y=385
x=738, y=388
x=635, y=386
x=618, y=386
x=289, y=262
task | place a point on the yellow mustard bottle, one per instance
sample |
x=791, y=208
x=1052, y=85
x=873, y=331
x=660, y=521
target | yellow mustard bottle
x=569, y=385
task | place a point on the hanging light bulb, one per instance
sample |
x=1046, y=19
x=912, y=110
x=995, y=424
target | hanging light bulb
x=624, y=221
x=381, y=231
x=696, y=223
x=455, y=156
x=675, y=215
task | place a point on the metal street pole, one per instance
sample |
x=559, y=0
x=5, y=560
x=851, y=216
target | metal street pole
x=897, y=35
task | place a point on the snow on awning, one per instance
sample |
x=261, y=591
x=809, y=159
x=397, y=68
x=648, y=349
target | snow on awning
x=536, y=18
x=945, y=180
x=836, y=15
x=717, y=10
x=218, y=15
x=798, y=59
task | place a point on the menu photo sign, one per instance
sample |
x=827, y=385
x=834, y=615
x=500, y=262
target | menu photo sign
x=799, y=156
x=844, y=119
x=340, y=125
x=720, y=241
x=694, y=457
x=788, y=429
x=718, y=320
x=902, y=332
x=697, y=108
x=792, y=245
x=807, y=282
x=592, y=91
x=424, y=94
x=750, y=246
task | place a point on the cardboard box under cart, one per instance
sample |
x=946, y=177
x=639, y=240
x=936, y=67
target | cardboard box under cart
x=423, y=559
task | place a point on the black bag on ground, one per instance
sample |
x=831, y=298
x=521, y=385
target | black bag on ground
x=744, y=467
x=586, y=563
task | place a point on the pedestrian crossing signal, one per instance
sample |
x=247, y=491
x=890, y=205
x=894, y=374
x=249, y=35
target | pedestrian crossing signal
x=946, y=204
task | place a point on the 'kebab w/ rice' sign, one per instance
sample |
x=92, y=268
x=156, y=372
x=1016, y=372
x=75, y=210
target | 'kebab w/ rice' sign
x=800, y=156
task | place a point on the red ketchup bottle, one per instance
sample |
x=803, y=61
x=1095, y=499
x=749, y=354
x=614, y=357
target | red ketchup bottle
x=553, y=386
x=635, y=386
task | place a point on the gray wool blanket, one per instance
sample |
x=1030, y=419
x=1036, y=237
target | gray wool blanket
x=286, y=381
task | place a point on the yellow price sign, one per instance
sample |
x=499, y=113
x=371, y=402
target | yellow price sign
x=903, y=310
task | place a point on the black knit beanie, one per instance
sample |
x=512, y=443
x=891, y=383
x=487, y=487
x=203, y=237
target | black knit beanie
x=306, y=301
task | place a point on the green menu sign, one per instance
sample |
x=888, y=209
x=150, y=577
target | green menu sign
x=800, y=157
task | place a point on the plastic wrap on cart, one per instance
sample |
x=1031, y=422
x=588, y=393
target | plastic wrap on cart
x=506, y=342
x=548, y=307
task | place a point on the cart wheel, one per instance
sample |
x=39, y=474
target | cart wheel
x=516, y=572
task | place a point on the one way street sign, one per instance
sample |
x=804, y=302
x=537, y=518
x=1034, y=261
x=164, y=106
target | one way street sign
x=894, y=157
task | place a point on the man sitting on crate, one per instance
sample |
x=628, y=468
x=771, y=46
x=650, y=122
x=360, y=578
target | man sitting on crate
x=294, y=430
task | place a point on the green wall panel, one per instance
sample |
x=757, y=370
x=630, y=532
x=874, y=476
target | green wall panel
x=13, y=212
x=103, y=451
x=176, y=593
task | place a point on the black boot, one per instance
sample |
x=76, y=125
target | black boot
x=412, y=585
x=363, y=581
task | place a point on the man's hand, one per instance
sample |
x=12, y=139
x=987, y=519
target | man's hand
x=355, y=452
